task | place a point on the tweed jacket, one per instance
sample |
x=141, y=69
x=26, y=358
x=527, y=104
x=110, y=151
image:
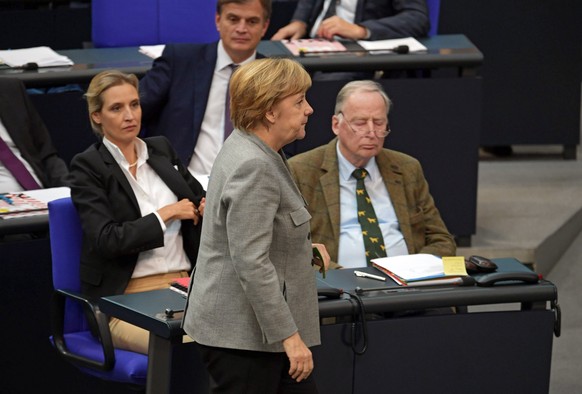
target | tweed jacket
x=253, y=285
x=317, y=175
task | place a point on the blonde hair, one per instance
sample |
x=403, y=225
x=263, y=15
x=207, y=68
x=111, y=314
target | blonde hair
x=99, y=84
x=256, y=86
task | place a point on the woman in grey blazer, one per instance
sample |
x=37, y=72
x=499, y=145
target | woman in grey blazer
x=252, y=306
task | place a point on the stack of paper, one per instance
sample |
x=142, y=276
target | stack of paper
x=383, y=46
x=153, y=51
x=419, y=267
x=42, y=56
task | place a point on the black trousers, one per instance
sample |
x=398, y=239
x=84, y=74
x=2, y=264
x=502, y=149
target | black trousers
x=236, y=371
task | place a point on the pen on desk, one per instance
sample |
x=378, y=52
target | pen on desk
x=370, y=276
x=7, y=199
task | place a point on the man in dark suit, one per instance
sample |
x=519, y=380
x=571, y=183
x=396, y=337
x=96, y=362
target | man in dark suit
x=26, y=136
x=357, y=19
x=183, y=96
x=407, y=217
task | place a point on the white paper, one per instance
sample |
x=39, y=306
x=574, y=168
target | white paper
x=387, y=45
x=43, y=56
x=46, y=195
x=413, y=266
x=153, y=51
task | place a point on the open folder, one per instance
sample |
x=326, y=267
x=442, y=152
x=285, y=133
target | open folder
x=41, y=56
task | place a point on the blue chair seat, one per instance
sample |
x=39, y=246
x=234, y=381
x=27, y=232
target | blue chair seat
x=131, y=368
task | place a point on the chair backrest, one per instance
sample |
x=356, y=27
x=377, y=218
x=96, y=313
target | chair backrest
x=119, y=23
x=434, y=7
x=66, y=237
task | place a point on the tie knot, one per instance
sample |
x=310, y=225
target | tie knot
x=360, y=173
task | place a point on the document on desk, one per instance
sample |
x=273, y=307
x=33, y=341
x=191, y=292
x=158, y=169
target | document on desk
x=153, y=51
x=420, y=267
x=29, y=203
x=387, y=46
x=41, y=56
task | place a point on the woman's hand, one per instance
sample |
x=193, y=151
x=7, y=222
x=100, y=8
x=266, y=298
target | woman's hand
x=323, y=251
x=300, y=358
x=181, y=210
x=201, y=206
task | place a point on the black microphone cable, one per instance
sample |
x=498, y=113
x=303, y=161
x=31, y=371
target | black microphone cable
x=358, y=309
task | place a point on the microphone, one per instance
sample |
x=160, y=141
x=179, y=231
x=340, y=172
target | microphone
x=443, y=283
x=29, y=66
x=401, y=49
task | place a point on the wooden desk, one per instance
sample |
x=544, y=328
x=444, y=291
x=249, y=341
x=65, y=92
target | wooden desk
x=414, y=353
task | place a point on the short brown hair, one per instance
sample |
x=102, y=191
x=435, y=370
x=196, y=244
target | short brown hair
x=99, y=84
x=266, y=4
x=256, y=86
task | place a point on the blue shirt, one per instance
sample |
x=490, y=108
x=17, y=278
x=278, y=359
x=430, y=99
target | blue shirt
x=351, y=253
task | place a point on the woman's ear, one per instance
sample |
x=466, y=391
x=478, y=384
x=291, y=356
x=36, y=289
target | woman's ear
x=96, y=116
x=270, y=116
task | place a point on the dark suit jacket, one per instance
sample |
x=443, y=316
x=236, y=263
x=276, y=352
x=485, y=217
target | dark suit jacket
x=317, y=175
x=29, y=133
x=384, y=18
x=114, y=232
x=174, y=94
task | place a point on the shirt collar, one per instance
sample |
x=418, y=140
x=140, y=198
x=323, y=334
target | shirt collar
x=223, y=60
x=346, y=168
x=141, y=148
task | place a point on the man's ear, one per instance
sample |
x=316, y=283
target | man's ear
x=335, y=124
x=216, y=21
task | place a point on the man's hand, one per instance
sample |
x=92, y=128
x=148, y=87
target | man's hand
x=293, y=31
x=336, y=26
x=300, y=357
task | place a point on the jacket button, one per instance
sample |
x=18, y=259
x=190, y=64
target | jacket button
x=309, y=235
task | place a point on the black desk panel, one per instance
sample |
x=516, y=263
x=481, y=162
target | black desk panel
x=413, y=351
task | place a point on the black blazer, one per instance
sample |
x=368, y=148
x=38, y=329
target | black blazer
x=114, y=232
x=29, y=133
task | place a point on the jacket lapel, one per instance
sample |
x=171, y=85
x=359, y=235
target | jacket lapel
x=202, y=81
x=119, y=175
x=392, y=176
x=329, y=183
x=170, y=175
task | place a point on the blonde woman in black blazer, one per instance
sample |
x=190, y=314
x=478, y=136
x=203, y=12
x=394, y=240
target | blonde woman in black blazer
x=124, y=232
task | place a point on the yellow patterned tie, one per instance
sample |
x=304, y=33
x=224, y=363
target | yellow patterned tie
x=373, y=240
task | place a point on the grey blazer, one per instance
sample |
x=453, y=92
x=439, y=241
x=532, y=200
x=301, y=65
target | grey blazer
x=253, y=285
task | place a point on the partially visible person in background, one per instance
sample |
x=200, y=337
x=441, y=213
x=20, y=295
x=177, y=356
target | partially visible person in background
x=367, y=201
x=140, y=208
x=253, y=306
x=183, y=96
x=357, y=19
x=28, y=159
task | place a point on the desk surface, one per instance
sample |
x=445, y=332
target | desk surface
x=147, y=309
x=37, y=223
x=443, y=51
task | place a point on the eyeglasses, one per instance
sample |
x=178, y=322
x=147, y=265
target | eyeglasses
x=362, y=130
